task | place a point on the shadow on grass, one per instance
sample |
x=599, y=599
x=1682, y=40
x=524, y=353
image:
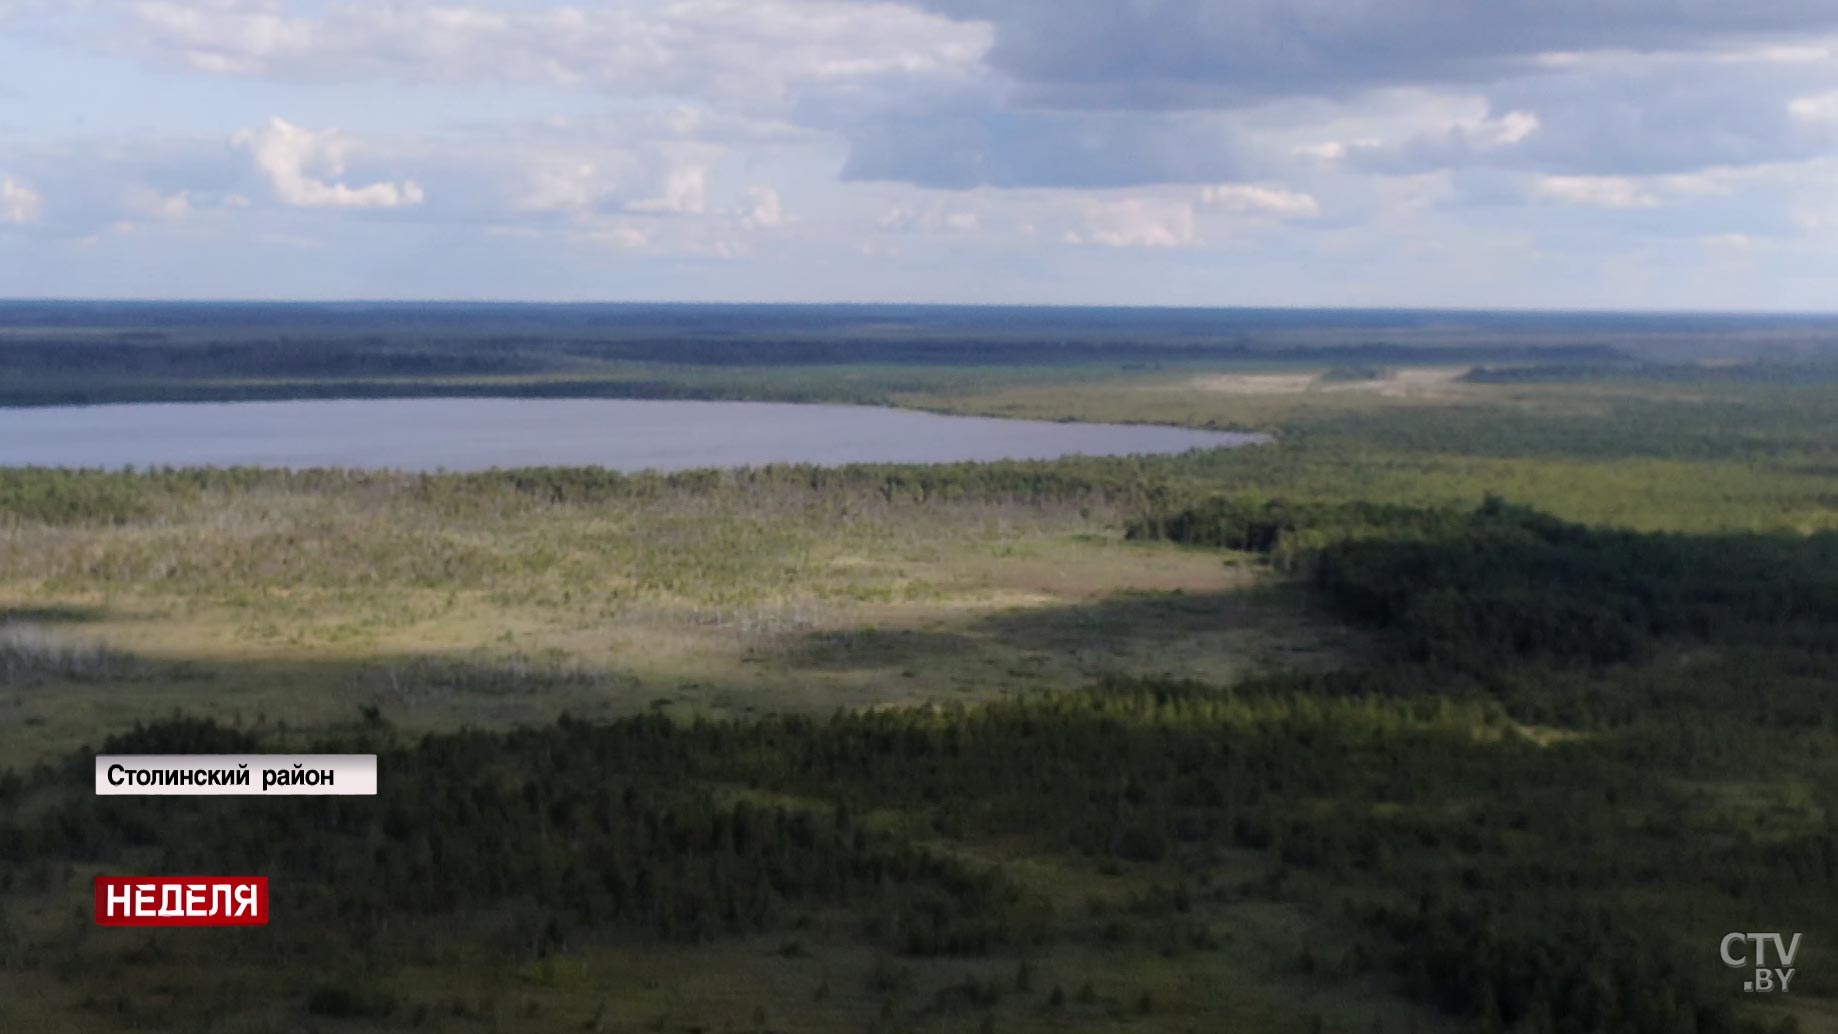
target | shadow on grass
x=1216, y=637
x=53, y=615
x=55, y=695
x=1200, y=632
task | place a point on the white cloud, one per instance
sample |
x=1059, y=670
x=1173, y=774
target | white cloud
x=745, y=50
x=290, y=155
x=1737, y=242
x=1709, y=183
x=18, y=203
x=1325, y=150
x=952, y=155
x=1137, y=223
x=151, y=204
x=618, y=235
x=685, y=193
x=1821, y=107
x=1259, y=200
x=1400, y=131
x=932, y=218
x=648, y=160
x=1786, y=53
x=767, y=211
x=566, y=185
x=1594, y=192
x=1510, y=129
x=1446, y=139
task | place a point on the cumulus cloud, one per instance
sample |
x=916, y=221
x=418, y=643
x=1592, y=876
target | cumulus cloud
x=962, y=94
x=1137, y=223
x=72, y=188
x=1594, y=191
x=562, y=185
x=932, y=217
x=766, y=210
x=1347, y=133
x=659, y=162
x=293, y=158
x=596, y=179
x=1728, y=242
x=617, y=235
x=151, y=204
x=1461, y=140
x=685, y=193
x=19, y=203
x=1818, y=108
x=1261, y=200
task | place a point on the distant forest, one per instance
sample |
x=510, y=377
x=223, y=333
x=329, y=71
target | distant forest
x=78, y=352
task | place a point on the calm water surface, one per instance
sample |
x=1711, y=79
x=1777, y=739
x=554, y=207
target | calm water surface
x=478, y=434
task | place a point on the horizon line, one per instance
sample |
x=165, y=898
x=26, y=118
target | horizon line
x=1096, y=307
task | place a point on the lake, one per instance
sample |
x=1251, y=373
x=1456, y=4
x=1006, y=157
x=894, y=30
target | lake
x=478, y=434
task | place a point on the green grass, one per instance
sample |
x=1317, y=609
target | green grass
x=301, y=600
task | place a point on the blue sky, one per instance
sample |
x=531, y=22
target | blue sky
x=1669, y=154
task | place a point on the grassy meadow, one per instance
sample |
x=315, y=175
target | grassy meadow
x=1473, y=702
x=447, y=601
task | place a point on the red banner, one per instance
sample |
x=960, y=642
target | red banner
x=182, y=900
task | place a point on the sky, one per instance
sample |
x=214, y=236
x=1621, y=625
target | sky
x=1567, y=154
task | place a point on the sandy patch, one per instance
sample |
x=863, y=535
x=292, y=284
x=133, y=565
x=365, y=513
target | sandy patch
x=1408, y=382
x=1401, y=383
x=1255, y=383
